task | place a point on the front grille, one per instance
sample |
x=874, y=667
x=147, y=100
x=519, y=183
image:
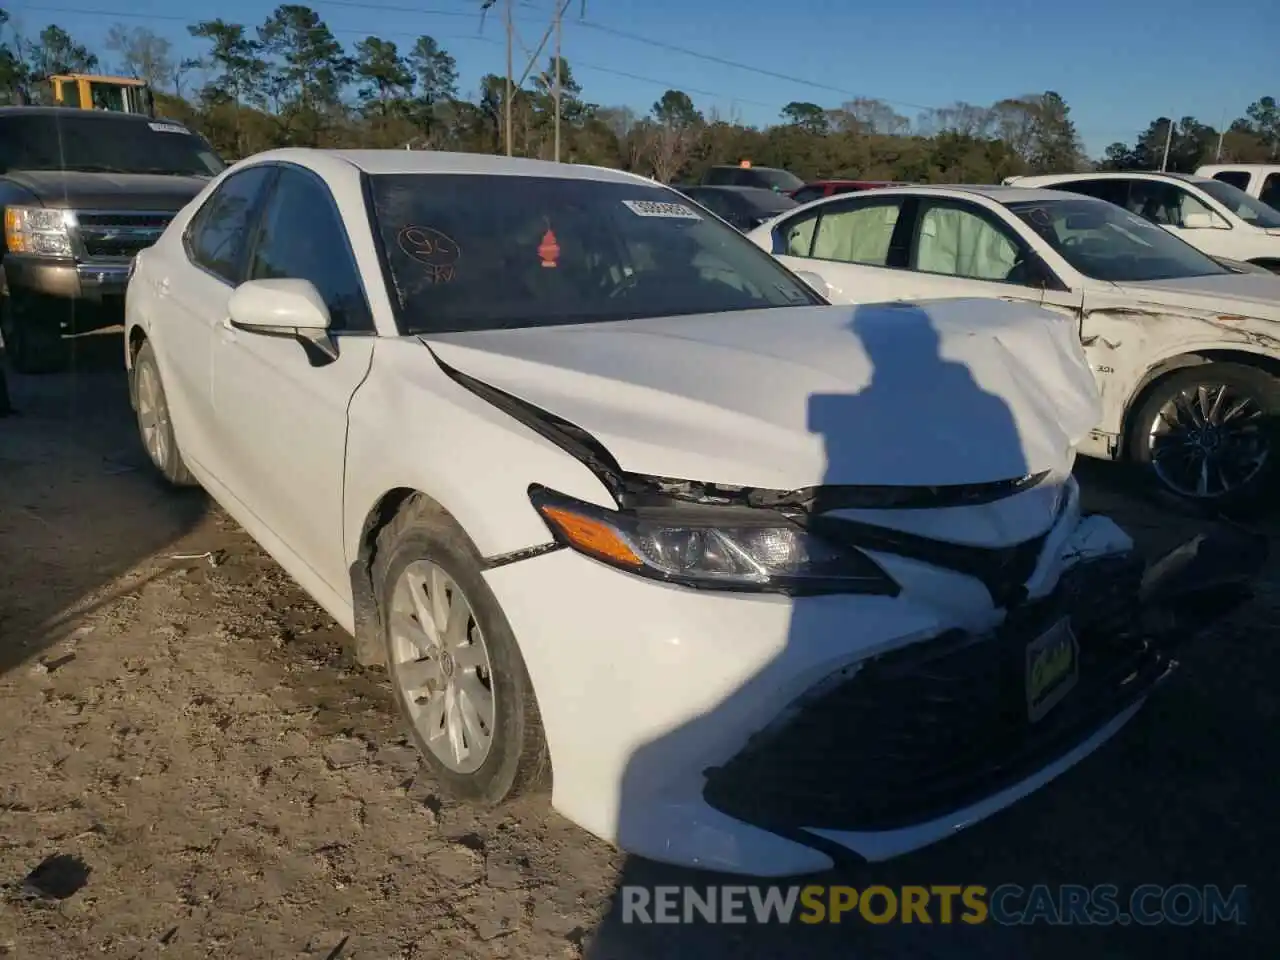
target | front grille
x=934, y=727
x=120, y=235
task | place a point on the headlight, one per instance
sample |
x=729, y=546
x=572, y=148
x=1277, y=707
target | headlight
x=718, y=548
x=38, y=230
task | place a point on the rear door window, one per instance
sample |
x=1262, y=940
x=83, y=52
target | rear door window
x=857, y=231
x=1270, y=193
x=1237, y=178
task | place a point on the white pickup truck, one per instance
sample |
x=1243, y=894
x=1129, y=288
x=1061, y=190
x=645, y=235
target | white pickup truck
x=1260, y=180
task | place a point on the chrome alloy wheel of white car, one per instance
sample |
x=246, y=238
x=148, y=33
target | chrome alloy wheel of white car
x=440, y=663
x=153, y=416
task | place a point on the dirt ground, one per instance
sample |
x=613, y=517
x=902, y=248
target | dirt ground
x=194, y=733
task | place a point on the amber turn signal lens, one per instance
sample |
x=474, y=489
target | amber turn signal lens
x=591, y=536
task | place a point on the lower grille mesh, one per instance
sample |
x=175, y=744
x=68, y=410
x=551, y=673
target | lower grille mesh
x=929, y=729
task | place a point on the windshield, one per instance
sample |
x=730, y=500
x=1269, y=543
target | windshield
x=81, y=141
x=1252, y=211
x=1106, y=242
x=475, y=252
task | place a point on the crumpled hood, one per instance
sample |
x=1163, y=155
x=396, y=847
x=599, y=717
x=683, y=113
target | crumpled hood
x=949, y=392
x=1248, y=294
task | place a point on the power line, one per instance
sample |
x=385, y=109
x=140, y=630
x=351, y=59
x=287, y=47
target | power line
x=722, y=61
x=476, y=38
x=581, y=22
x=591, y=25
x=122, y=15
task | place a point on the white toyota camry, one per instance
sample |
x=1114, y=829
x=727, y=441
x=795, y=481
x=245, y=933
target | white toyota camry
x=751, y=580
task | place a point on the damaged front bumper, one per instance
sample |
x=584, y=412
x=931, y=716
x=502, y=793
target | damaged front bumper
x=925, y=740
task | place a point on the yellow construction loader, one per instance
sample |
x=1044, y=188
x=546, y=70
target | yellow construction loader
x=93, y=92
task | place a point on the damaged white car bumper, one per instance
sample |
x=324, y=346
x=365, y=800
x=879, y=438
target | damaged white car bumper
x=760, y=734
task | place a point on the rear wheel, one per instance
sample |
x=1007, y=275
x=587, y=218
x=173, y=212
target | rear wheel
x=1209, y=435
x=155, y=428
x=454, y=665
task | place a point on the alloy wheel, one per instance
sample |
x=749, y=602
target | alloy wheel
x=153, y=416
x=1208, y=440
x=440, y=664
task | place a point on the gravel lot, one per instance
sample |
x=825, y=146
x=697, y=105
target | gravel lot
x=195, y=734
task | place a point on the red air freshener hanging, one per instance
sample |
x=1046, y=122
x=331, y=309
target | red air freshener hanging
x=548, y=249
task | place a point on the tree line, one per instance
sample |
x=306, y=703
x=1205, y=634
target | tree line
x=289, y=81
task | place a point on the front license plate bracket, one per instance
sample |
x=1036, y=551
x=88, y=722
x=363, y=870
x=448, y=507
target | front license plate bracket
x=1052, y=668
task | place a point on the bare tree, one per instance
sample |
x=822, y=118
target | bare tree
x=1014, y=121
x=143, y=54
x=868, y=115
x=668, y=147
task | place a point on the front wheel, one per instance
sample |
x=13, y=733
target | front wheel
x=1209, y=435
x=453, y=661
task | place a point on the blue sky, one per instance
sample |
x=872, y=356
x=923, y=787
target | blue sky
x=1118, y=65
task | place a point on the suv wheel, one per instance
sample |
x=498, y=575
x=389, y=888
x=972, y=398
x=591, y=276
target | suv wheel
x=32, y=335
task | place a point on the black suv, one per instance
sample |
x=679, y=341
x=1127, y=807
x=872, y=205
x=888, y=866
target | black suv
x=82, y=192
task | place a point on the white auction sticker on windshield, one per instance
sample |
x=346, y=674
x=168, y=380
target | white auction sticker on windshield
x=168, y=128
x=656, y=208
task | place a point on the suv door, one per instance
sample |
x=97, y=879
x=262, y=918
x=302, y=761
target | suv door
x=858, y=246
x=283, y=417
x=194, y=290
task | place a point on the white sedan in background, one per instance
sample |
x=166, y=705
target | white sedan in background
x=1186, y=351
x=626, y=509
x=1220, y=219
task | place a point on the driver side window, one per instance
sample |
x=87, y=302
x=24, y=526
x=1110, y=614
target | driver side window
x=302, y=237
x=959, y=242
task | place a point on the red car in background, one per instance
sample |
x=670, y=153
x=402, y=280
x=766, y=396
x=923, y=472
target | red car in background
x=829, y=188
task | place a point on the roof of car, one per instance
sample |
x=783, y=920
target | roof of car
x=863, y=183
x=999, y=194
x=1048, y=178
x=440, y=161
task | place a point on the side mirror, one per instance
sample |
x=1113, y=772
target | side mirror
x=816, y=282
x=285, y=308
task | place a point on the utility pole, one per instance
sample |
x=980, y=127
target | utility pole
x=1168, y=139
x=511, y=29
x=1222, y=132
x=560, y=7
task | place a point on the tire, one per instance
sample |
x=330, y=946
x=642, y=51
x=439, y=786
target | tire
x=33, y=335
x=152, y=410
x=515, y=760
x=1239, y=383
